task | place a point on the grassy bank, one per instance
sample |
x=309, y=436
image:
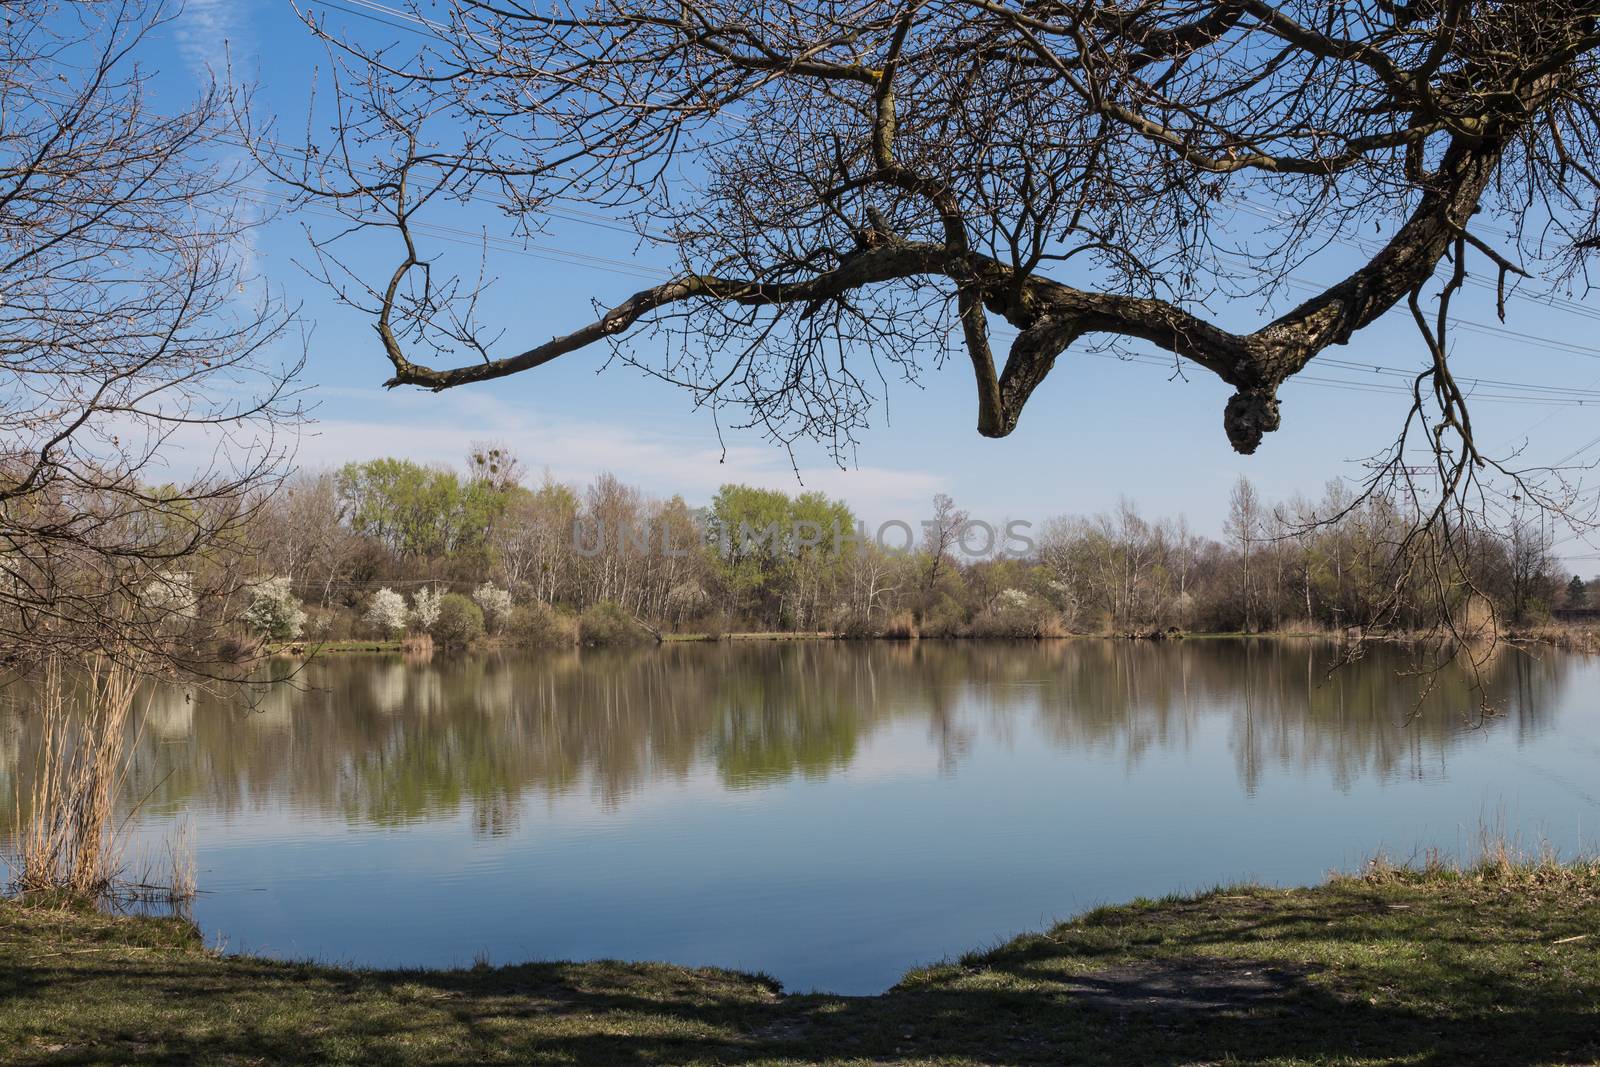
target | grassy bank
x=752, y=635
x=317, y=648
x=1500, y=966
x=1568, y=638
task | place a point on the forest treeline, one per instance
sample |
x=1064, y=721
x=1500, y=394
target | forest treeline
x=388, y=546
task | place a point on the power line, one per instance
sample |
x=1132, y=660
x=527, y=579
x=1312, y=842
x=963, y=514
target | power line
x=505, y=244
x=1492, y=382
x=1575, y=453
x=421, y=26
x=1544, y=395
x=1351, y=386
x=1490, y=329
x=1547, y=299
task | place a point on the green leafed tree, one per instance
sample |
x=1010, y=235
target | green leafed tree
x=772, y=551
x=418, y=511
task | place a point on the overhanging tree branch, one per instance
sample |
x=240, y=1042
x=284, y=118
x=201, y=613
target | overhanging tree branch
x=884, y=177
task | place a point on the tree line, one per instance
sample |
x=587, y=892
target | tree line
x=374, y=548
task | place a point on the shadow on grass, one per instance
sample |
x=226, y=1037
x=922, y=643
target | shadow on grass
x=1344, y=976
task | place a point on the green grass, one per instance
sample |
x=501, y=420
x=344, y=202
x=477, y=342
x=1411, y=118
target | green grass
x=752, y=635
x=1500, y=966
x=321, y=647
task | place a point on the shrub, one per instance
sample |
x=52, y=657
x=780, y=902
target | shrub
x=496, y=605
x=320, y=623
x=608, y=623
x=1017, y=616
x=686, y=600
x=854, y=627
x=538, y=625
x=344, y=624
x=273, y=612
x=386, y=612
x=944, y=619
x=459, y=623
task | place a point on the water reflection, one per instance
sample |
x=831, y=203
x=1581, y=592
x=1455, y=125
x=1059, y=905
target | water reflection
x=829, y=812
x=385, y=742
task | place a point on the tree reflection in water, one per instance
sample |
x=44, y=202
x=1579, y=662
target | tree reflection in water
x=382, y=741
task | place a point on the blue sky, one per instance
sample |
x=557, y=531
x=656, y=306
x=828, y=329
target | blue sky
x=1098, y=428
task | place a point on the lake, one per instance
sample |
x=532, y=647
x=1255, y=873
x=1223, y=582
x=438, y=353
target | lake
x=829, y=813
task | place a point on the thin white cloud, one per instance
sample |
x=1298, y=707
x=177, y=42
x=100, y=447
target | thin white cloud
x=438, y=429
x=207, y=33
x=204, y=32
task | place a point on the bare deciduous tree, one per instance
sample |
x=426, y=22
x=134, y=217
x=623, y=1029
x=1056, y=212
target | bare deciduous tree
x=140, y=405
x=1243, y=527
x=941, y=536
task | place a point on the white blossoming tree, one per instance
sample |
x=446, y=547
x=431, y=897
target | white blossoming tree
x=386, y=612
x=170, y=598
x=274, y=612
x=495, y=602
x=425, y=608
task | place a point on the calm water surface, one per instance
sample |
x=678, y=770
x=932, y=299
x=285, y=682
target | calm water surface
x=829, y=813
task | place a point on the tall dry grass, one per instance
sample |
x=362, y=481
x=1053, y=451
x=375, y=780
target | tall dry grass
x=166, y=876
x=70, y=840
x=417, y=644
x=901, y=626
x=1572, y=637
x=1493, y=853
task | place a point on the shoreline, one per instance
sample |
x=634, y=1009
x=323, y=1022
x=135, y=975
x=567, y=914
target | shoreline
x=1499, y=963
x=1585, y=640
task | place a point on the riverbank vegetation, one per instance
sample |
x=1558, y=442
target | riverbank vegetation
x=373, y=550
x=144, y=415
x=1496, y=964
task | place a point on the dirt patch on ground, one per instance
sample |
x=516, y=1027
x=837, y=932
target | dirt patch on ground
x=1201, y=985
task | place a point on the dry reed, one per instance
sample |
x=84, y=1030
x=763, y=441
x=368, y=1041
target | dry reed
x=69, y=840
